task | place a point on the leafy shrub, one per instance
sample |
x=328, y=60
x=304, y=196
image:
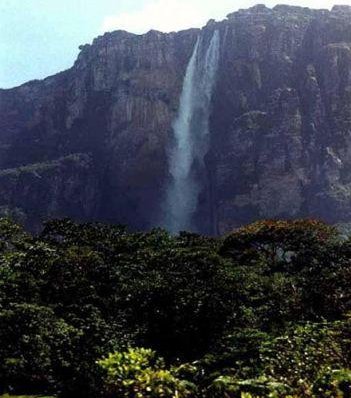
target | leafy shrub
x=297, y=357
x=333, y=384
x=228, y=387
x=139, y=373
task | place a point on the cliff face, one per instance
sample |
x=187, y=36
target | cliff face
x=92, y=142
x=282, y=117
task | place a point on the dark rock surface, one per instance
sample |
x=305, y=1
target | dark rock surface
x=91, y=142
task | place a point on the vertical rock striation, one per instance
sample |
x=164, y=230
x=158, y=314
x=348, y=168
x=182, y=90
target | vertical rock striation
x=275, y=138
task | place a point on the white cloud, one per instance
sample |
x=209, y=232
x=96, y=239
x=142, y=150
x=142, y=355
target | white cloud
x=167, y=15
x=173, y=15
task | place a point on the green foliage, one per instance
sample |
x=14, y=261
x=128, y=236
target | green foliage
x=229, y=387
x=297, y=357
x=22, y=396
x=138, y=373
x=283, y=245
x=12, y=236
x=34, y=346
x=262, y=311
x=333, y=384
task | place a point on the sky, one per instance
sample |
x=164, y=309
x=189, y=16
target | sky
x=41, y=37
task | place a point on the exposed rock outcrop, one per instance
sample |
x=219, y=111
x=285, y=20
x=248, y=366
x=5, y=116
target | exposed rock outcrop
x=280, y=125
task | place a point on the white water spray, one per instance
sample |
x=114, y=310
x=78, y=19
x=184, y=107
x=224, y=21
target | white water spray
x=191, y=135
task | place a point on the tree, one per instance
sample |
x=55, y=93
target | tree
x=35, y=347
x=282, y=245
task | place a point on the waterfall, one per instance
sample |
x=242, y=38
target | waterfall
x=191, y=136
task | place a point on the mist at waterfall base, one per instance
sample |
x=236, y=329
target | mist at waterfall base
x=191, y=137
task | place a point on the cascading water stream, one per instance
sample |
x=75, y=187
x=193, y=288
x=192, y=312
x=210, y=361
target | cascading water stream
x=191, y=135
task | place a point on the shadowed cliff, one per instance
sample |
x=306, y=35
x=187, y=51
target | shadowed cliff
x=92, y=142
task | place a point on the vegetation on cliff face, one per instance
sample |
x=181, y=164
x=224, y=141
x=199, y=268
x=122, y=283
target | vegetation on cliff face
x=93, y=310
x=279, y=126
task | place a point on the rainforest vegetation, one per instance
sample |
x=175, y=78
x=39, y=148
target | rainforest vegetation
x=93, y=310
